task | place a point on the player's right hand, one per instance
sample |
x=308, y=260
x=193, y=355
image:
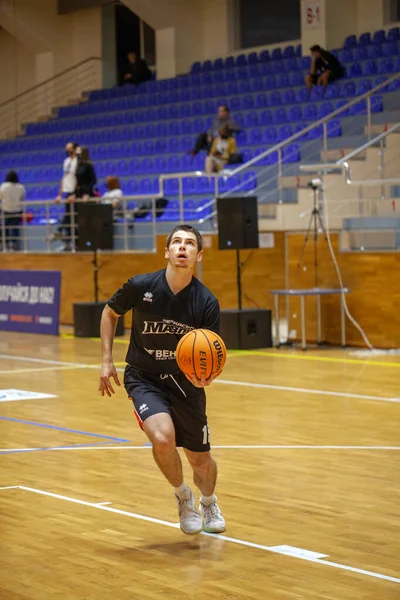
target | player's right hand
x=108, y=370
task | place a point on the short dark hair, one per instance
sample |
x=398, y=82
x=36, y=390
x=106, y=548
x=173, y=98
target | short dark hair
x=12, y=177
x=225, y=107
x=189, y=229
x=316, y=48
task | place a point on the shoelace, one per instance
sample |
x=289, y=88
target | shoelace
x=186, y=505
x=213, y=510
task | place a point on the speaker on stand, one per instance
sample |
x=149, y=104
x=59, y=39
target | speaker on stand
x=95, y=232
x=238, y=229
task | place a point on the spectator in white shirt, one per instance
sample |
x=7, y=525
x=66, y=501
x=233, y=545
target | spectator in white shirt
x=66, y=191
x=114, y=193
x=12, y=194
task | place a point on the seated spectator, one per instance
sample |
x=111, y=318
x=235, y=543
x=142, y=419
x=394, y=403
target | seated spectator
x=12, y=194
x=325, y=68
x=223, y=147
x=114, y=193
x=85, y=175
x=138, y=70
x=205, y=139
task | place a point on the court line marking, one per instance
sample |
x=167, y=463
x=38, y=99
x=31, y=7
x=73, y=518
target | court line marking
x=47, y=448
x=273, y=549
x=283, y=388
x=354, y=361
x=281, y=354
x=95, y=446
x=39, y=370
x=245, y=383
x=47, y=426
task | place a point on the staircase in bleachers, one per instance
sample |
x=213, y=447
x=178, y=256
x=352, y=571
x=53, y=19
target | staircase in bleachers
x=140, y=133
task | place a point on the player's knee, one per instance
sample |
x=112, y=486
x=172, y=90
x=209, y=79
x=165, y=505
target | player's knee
x=200, y=460
x=163, y=442
x=307, y=79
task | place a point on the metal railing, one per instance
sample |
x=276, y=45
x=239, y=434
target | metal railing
x=361, y=229
x=280, y=147
x=33, y=233
x=39, y=101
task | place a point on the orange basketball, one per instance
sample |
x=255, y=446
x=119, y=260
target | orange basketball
x=201, y=352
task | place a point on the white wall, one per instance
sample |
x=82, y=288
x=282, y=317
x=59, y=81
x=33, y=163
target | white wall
x=17, y=67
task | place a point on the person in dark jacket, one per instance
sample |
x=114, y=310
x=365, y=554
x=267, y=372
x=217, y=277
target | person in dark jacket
x=85, y=175
x=138, y=70
x=325, y=68
x=205, y=139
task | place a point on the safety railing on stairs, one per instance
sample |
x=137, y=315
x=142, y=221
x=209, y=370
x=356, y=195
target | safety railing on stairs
x=39, y=101
x=271, y=188
x=369, y=223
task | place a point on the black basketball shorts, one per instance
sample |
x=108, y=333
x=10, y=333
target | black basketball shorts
x=176, y=396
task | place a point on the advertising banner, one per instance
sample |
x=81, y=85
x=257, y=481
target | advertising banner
x=30, y=301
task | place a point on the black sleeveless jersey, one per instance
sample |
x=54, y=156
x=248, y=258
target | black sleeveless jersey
x=160, y=318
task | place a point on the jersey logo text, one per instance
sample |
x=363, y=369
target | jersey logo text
x=148, y=297
x=165, y=326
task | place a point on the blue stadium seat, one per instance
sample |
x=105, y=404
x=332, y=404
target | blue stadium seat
x=386, y=66
x=350, y=42
x=325, y=109
x=207, y=66
x=276, y=54
x=316, y=133
x=355, y=70
x=291, y=153
x=131, y=187
x=285, y=132
x=390, y=49
x=218, y=64
x=174, y=164
x=247, y=102
x=345, y=55
x=252, y=58
x=254, y=70
x=257, y=85
x=290, y=65
x=288, y=97
x=360, y=54
x=393, y=34
x=261, y=101
x=304, y=63
x=270, y=135
x=280, y=115
x=299, y=127
x=235, y=103
x=310, y=112
x=317, y=93
x=370, y=68
x=377, y=103
x=255, y=136
x=363, y=86
x=295, y=114
x=397, y=66
x=340, y=104
x=380, y=80
x=264, y=56
x=394, y=86
x=289, y=52
x=349, y=89
x=266, y=117
x=173, y=145
x=364, y=39
x=332, y=91
x=277, y=67
x=249, y=181
x=241, y=60
x=296, y=78
x=379, y=37
x=269, y=82
x=302, y=95
x=251, y=119
x=275, y=99
x=358, y=108
x=283, y=80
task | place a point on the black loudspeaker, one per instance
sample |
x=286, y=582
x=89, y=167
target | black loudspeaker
x=95, y=227
x=246, y=329
x=87, y=317
x=237, y=223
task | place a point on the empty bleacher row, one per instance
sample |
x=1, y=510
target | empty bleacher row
x=140, y=133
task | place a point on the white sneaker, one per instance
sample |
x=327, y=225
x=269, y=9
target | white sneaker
x=213, y=521
x=190, y=520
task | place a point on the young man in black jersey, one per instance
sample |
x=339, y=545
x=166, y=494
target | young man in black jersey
x=170, y=407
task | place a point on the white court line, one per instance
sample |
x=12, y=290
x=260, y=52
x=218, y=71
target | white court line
x=273, y=549
x=243, y=447
x=41, y=369
x=10, y=487
x=267, y=386
x=284, y=388
x=102, y=503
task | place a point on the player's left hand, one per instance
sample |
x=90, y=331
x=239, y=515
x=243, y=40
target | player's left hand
x=200, y=383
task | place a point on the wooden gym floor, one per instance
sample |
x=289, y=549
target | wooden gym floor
x=308, y=448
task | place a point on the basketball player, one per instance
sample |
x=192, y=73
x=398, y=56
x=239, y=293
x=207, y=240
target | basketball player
x=170, y=407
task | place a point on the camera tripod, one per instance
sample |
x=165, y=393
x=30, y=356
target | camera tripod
x=315, y=224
